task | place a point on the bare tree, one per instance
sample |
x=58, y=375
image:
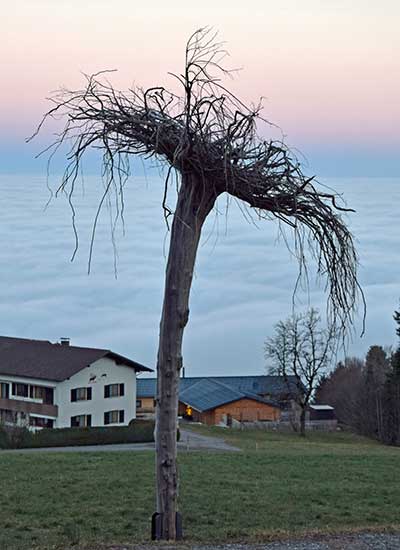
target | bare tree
x=209, y=139
x=301, y=352
x=343, y=389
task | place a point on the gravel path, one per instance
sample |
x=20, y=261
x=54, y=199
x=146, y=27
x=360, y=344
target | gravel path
x=190, y=441
x=360, y=541
x=357, y=541
x=195, y=441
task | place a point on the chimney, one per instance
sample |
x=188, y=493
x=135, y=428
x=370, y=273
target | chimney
x=64, y=341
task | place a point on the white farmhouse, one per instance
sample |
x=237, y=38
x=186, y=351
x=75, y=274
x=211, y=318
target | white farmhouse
x=45, y=385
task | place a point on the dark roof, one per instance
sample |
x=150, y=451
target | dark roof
x=44, y=360
x=267, y=385
x=206, y=394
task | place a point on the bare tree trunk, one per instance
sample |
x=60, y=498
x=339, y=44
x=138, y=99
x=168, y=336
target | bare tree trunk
x=194, y=203
x=303, y=422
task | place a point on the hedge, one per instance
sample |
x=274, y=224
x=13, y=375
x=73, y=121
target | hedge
x=138, y=431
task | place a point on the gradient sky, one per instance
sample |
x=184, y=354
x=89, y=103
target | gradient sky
x=330, y=74
x=329, y=69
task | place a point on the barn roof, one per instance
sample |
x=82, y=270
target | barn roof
x=207, y=394
x=46, y=361
x=259, y=385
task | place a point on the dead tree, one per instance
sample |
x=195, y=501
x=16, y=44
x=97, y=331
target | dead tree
x=209, y=139
x=301, y=352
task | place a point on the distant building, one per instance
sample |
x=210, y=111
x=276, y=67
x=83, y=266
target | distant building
x=321, y=412
x=46, y=385
x=213, y=403
x=223, y=399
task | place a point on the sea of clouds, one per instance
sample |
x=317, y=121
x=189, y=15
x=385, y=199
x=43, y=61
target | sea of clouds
x=243, y=283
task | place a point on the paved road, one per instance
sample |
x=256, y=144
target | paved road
x=85, y=448
x=190, y=441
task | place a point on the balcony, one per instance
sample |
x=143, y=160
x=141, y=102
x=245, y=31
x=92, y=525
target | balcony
x=28, y=407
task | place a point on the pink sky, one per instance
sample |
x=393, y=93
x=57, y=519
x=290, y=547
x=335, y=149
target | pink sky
x=330, y=70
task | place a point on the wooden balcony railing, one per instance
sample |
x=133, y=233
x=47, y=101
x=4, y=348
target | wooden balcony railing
x=29, y=407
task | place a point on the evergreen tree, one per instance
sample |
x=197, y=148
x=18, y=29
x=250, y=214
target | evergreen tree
x=391, y=396
x=377, y=366
x=396, y=317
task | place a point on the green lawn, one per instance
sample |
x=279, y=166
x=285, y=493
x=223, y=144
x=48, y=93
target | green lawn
x=278, y=484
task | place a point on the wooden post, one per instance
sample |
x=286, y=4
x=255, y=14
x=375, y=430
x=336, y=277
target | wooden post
x=194, y=203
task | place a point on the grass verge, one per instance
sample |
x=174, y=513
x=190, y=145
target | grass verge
x=278, y=485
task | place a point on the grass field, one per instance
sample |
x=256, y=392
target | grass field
x=279, y=484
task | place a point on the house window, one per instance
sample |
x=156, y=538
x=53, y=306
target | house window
x=39, y=422
x=48, y=396
x=4, y=390
x=114, y=417
x=81, y=421
x=36, y=392
x=114, y=390
x=20, y=390
x=81, y=394
x=138, y=403
x=43, y=393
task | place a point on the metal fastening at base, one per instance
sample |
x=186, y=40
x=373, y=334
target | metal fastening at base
x=156, y=526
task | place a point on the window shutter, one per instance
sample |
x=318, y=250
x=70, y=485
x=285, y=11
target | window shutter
x=73, y=395
x=106, y=417
x=106, y=391
x=14, y=388
x=121, y=390
x=88, y=394
x=88, y=420
x=121, y=416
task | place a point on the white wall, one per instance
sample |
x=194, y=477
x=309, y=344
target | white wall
x=105, y=371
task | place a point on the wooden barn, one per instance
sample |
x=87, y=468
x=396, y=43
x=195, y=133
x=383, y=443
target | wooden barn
x=220, y=399
x=213, y=403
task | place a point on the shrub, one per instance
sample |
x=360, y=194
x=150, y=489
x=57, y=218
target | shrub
x=178, y=432
x=140, y=431
x=3, y=438
x=14, y=437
